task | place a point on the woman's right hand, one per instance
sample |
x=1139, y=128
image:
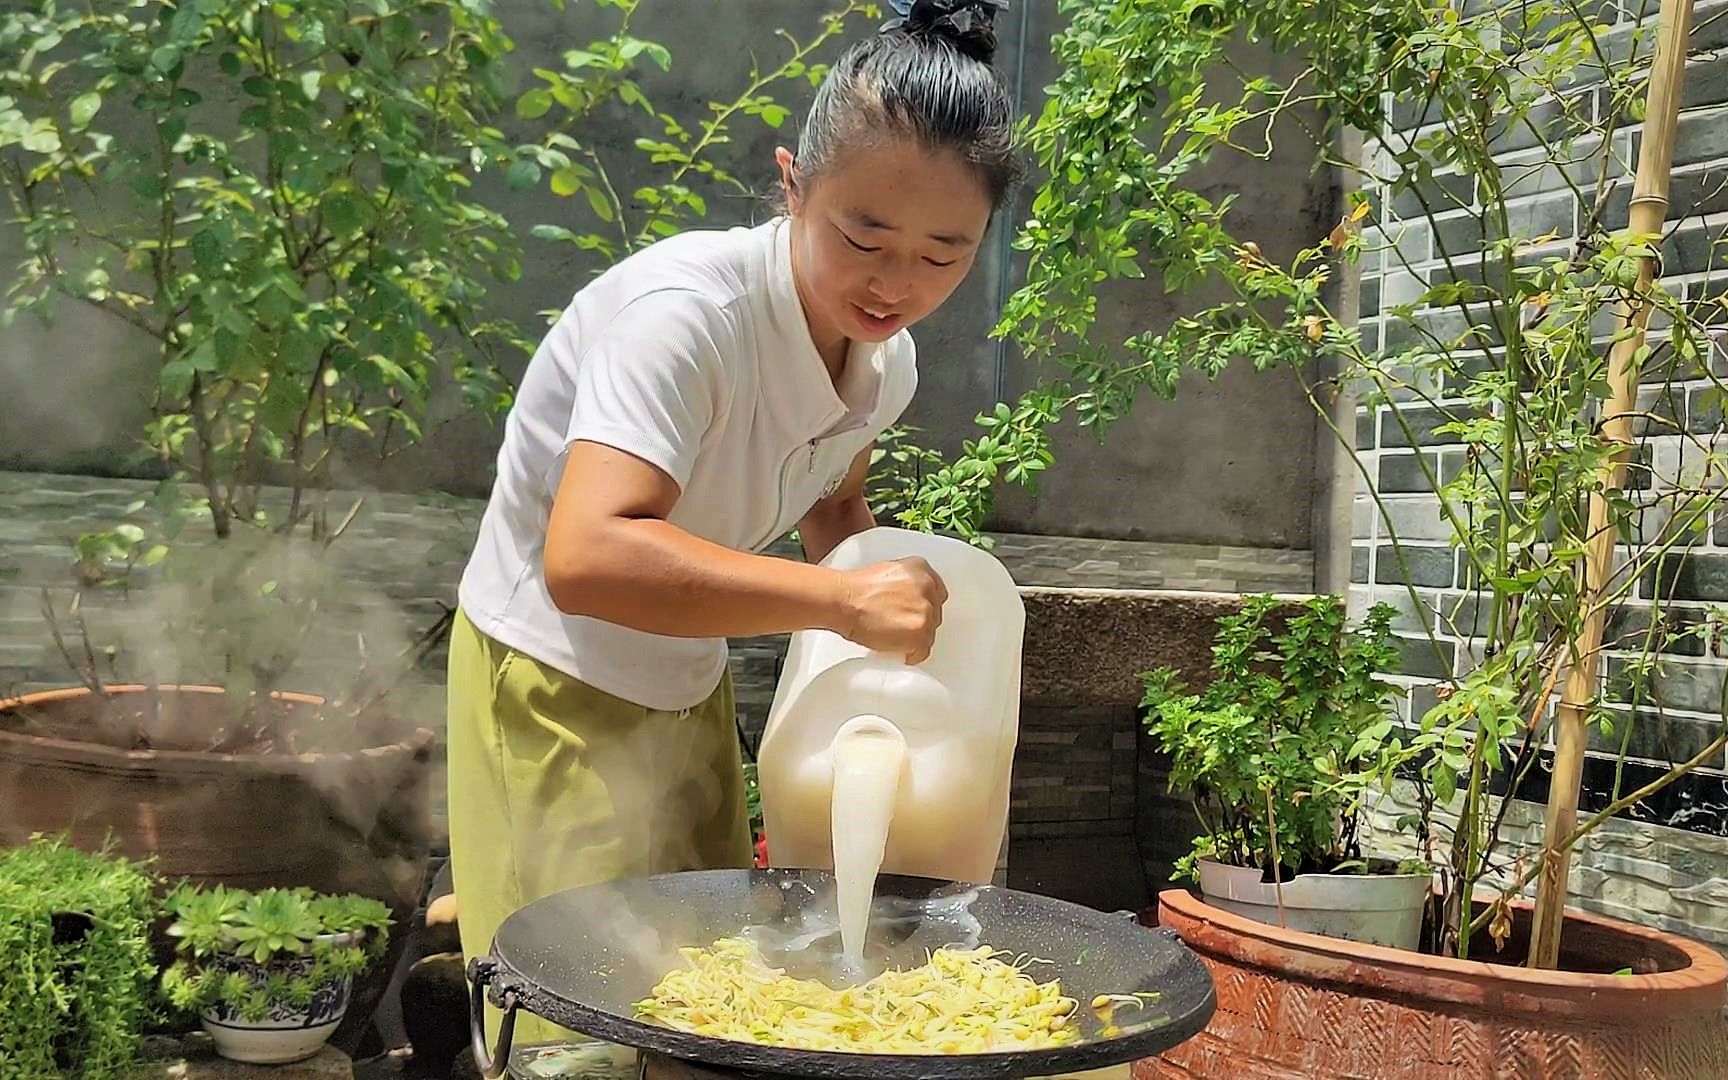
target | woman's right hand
x=894, y=607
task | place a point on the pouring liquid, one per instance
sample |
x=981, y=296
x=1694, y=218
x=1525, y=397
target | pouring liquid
x=869, y=757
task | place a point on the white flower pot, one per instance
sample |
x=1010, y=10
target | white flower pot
x=287, y=1033
x=1378, y=909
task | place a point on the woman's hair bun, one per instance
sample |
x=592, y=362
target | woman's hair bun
x=968, y=25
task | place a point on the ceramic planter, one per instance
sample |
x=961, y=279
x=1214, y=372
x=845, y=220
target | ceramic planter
x=287, y=1033
x=1380, y=909
x=1292, y=1004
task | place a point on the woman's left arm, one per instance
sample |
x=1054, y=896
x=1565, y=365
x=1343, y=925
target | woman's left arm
x=839, y=515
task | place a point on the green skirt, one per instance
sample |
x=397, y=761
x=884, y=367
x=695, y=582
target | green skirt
x=555, y=785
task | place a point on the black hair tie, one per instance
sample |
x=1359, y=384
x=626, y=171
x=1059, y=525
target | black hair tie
x=956, y=18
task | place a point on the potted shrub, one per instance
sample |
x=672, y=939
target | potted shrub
x=274, y=198
x=1530, y=329
x=270, y=973
x=75, y=935
x=1280, y=754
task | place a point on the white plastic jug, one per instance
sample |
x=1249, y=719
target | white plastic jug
x=872, y=765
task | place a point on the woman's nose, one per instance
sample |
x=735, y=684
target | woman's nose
x=888, y=290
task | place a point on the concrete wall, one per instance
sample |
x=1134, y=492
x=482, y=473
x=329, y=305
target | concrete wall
x=1229, y=460
x=1229, y=463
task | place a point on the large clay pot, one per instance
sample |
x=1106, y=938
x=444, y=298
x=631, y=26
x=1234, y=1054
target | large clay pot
x=335, y=822
x=1299, y=1005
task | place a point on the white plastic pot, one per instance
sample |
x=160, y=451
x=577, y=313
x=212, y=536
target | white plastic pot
x=1379, y=909
x=287, y=1034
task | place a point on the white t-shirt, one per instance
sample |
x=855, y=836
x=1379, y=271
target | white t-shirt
x=693, y=355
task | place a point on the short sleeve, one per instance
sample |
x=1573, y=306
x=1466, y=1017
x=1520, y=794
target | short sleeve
x=650, y=383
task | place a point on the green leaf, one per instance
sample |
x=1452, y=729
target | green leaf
x=203, y=357
x=534, y=104
x=42, y=139
x=522, y=175
x=229, y=63
x=233, y=320
x=597, y=200
x=84, y=109
x=309, y=84
x=176, y=378
x=775, y=115
x=566, y=181
x=165, y=58
x=273, y=307
x=342, y=213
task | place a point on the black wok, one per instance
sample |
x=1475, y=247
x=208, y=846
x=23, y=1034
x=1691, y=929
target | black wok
x=582, y=958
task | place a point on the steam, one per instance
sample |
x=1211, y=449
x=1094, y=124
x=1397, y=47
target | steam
x=97, y=399
x=257, y=612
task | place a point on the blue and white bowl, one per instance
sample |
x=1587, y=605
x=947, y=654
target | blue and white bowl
x=288, y=1033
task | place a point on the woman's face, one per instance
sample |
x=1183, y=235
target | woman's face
x=882, y=237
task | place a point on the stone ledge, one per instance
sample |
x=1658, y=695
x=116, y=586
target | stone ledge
x=194, y=1057
x=1088, y=646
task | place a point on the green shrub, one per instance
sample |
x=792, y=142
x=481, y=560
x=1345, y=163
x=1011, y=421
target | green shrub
x=75, y=954
x=1292, y=736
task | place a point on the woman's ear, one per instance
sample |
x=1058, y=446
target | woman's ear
x=788, y=177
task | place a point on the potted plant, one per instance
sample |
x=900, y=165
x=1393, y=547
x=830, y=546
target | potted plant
x=1281, y=753
x=302, y=260
x=270, y=973
x=75, y=934
x=277, y=200
x=1525, y=369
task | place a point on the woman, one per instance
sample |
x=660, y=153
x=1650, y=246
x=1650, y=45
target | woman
x=690, y=406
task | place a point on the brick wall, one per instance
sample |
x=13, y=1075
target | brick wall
x=1679, y=877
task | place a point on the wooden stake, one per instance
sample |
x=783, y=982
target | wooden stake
x=1649, y=211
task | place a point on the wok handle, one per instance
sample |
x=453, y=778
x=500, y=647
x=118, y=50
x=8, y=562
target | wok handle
x=481, y=971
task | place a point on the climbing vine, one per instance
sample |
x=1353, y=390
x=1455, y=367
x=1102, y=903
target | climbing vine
x=1502, y=344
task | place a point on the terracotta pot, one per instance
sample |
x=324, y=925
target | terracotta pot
x=1294, y=1005
x=335, y=822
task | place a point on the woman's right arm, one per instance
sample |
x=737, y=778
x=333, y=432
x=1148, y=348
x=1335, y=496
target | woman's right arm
x=612, y=555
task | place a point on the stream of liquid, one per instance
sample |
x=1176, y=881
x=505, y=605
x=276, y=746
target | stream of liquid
x=869, y=755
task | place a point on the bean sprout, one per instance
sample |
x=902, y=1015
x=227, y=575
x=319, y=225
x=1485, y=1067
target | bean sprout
x=962, y=1001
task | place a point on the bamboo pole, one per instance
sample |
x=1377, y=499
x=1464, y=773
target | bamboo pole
x=1649, y=211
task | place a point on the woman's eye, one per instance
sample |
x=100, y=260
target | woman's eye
x=859, y=246
x=934, y=262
